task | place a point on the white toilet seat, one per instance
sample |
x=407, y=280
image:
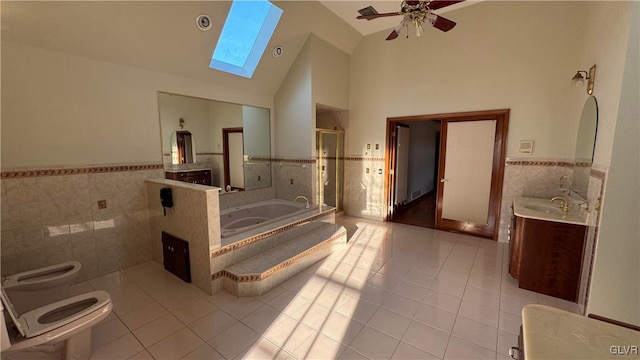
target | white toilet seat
x=61, y=313
x=49, y=276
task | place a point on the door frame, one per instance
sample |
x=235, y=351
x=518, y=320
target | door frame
x=225, y=154
x=499, y=156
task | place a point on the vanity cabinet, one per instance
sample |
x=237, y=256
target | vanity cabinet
x=546, y=256
x=202, y=177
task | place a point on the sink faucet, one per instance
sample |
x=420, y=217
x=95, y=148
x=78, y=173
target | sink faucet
x=306, y=206
x=564, y=206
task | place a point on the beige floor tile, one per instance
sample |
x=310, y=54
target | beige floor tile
x=401, y=305
x=234, y=340
x=121, y=348
x=390, y=323
x=341, y=328
x=426, y=338
x=212, y=324
x=263, y=349
x=435, y=317
x=176, y=346
x=476, y=332
x=478, y=312
x=157, y=330
x=288, y=333
x=203, y=352
x=405, y=351
x=320, y=347
x=144, y=315
x=459, y=349
x=142, y=355
x=357, y=309
x=374, y=344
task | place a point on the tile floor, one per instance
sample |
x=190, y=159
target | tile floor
x=394, y=292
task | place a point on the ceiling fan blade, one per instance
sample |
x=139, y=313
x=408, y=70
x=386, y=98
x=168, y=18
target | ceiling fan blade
x=442, y=24
x=396, y=31
x=394, y=34
x=375, y=16
x=439, y=4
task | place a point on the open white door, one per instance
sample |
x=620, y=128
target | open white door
x=402, y=165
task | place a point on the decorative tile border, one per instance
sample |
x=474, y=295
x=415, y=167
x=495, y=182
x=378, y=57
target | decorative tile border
x=599, y=175
x=364, y=158
x=279, y=267
x=242, y=243
x=78, y=171
x=296, y=161
x=540, y=163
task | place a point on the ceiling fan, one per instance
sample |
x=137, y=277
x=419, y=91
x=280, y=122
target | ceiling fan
x=414, y=13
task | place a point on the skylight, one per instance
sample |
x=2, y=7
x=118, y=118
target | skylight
x=244, y=37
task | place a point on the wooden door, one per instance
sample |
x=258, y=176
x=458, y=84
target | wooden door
x=470, y=175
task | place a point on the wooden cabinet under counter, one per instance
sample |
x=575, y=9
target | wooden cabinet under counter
x=202, y=177
x=546, y=255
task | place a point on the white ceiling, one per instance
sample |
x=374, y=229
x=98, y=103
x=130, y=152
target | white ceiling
x=348, y=11
x=161, y=36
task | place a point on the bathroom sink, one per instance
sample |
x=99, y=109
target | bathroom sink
x=543, y=209
x=549, y=209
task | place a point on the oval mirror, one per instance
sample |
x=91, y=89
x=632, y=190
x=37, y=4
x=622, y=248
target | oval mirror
x=585, y=146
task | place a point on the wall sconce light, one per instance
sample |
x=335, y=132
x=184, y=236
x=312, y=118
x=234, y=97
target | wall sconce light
x=578, y=78
x=181, y=123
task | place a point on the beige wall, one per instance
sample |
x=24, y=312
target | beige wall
x=476, y=66
x=293, y=110
x=615, y=290
x=64, y=110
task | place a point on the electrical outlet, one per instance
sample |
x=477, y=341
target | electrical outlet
x=102, y=204
x=380, y=171
x=368, y=146
x=291, y=181
x=367, y=170
x=377, y=146
x=259, y=179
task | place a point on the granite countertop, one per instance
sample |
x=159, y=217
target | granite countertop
x=543, y=209
x=550, y=333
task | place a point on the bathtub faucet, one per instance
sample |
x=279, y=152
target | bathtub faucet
x=306, y=206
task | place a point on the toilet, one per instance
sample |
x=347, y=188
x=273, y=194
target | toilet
x=33, y=289
x=68, y=320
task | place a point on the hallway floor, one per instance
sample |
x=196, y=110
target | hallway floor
x=420, y=212
x=395, y=291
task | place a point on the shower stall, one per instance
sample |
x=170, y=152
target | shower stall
x=330, y=153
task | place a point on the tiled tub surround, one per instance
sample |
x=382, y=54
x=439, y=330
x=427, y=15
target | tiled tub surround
x=293, y=177
x=194, y=217
x=241, y=219
x=51, y=216
x=256, y=241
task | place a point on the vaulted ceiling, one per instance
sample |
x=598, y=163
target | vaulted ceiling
x=162, y=36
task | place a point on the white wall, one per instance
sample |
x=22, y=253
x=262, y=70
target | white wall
x=223, y=115
x=476, y=66
x=422, y=154
x=615, y=290
x=330, y=74
x=60, y=109
x=294, y=110
x=257, y=141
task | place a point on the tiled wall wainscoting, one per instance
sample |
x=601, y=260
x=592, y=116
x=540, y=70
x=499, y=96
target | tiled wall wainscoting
x=539, y=178
x=51, y=216
x=293, y=177
x=364, y=186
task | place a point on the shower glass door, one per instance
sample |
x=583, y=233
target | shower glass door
x=330, y=150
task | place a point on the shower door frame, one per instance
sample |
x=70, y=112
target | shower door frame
x=339, y=157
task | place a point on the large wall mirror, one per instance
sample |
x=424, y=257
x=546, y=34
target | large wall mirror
x=232, y=140
x=585, y=146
